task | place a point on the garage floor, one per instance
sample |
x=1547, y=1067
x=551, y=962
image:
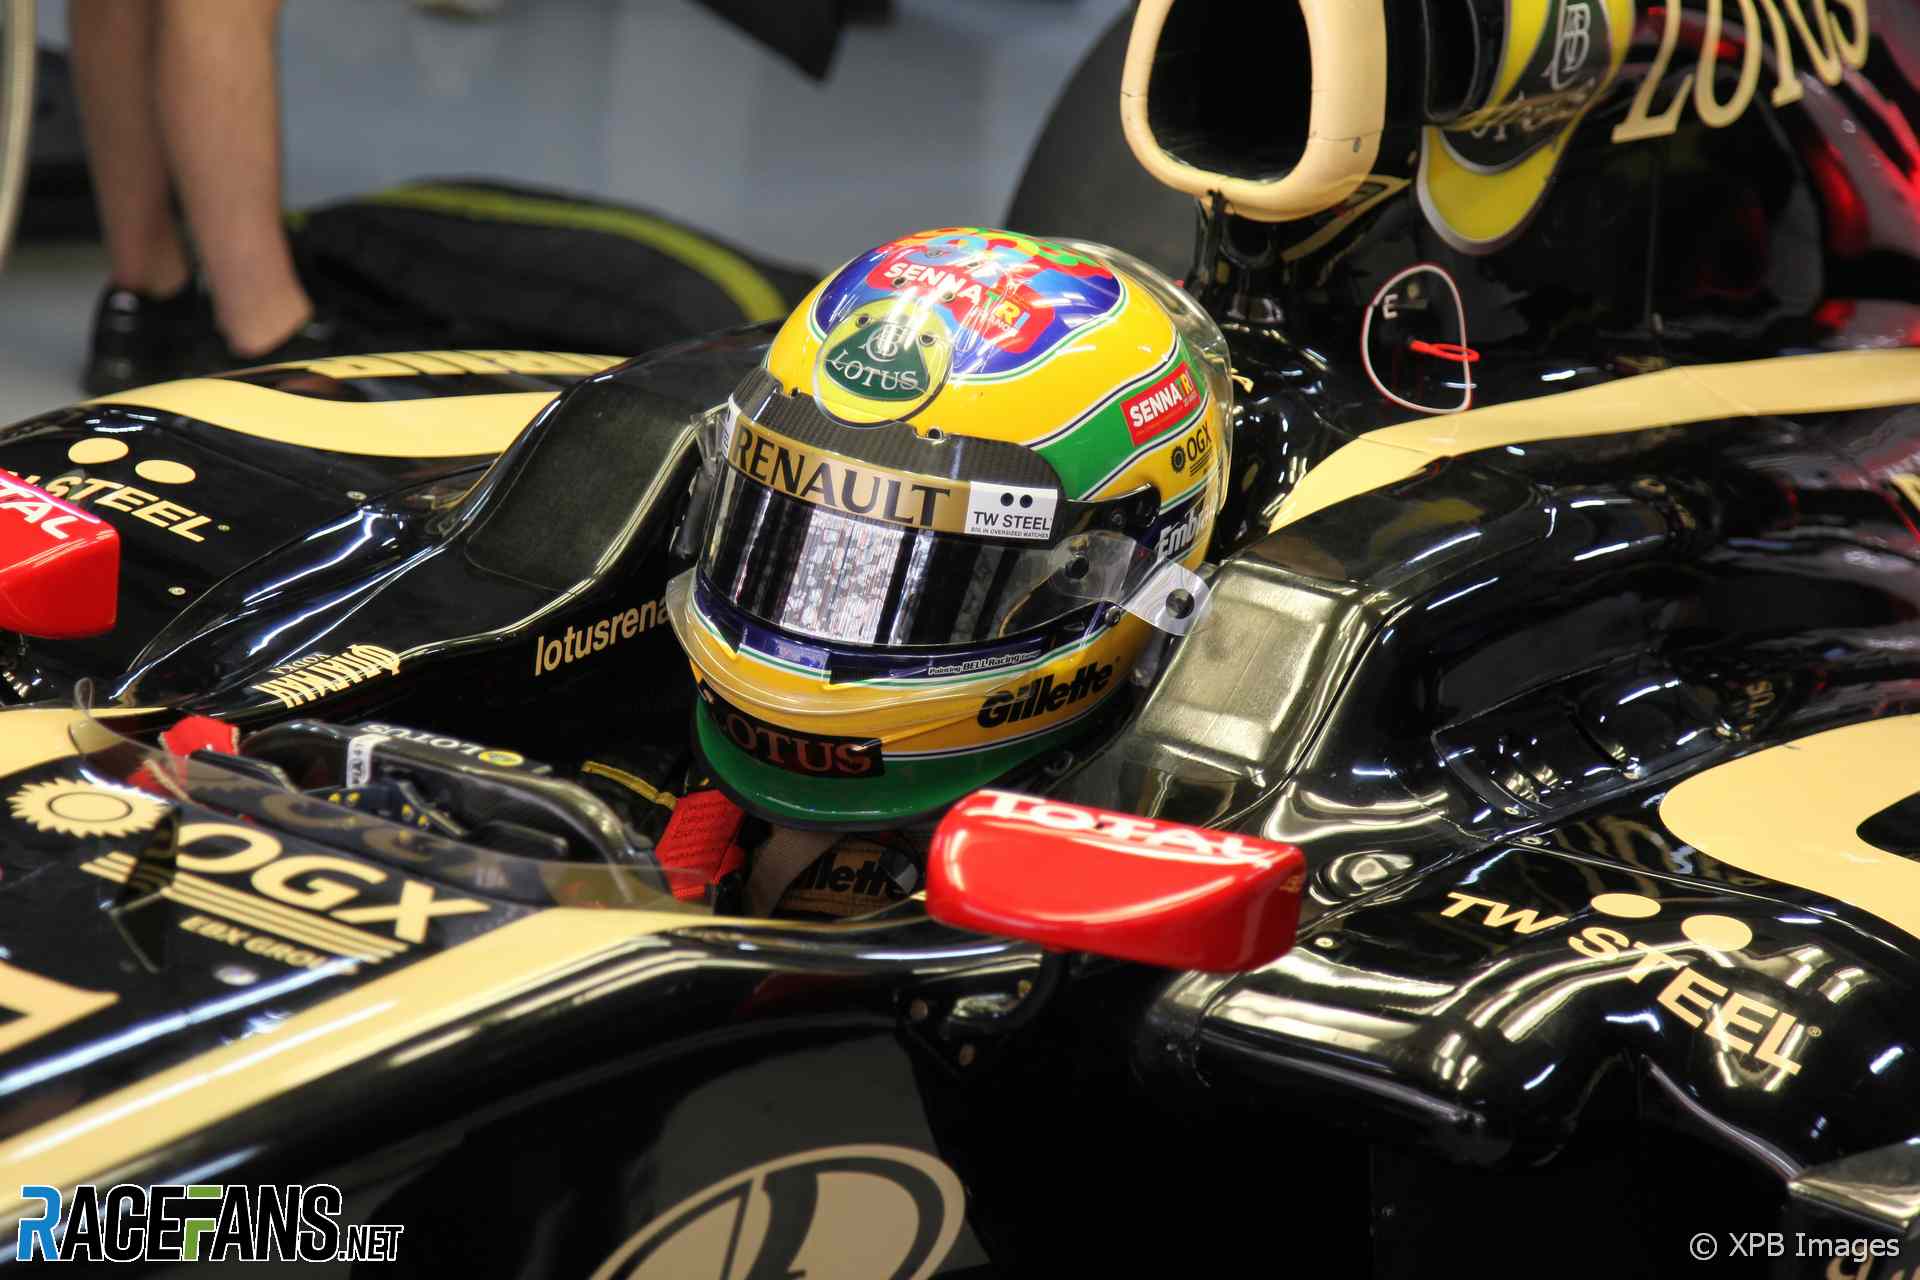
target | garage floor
x=924, y=122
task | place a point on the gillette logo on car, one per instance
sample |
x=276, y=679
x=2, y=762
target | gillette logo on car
x=1044, y=695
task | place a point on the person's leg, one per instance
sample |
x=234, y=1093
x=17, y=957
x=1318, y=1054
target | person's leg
x=220, y=116
x=112, y=59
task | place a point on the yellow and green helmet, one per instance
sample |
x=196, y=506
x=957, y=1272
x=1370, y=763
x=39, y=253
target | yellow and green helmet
x=943, y=521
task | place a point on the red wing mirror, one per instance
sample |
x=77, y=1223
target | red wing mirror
x=59, y=566
x=1083, y=879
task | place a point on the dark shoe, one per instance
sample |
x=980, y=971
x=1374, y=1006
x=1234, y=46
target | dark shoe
x=320, y=337
x=138, y=339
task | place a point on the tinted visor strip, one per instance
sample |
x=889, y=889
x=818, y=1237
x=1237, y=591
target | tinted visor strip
x=816, y=572
x=843, y=664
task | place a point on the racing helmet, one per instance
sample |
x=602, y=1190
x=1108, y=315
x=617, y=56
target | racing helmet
x=942, y=522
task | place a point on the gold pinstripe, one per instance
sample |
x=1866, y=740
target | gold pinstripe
x=1831, y=382
x=638, y=785
x=504, y=971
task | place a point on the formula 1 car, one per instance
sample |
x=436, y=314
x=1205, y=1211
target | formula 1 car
x=1513, y=871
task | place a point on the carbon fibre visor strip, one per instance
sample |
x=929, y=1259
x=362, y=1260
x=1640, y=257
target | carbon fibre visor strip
x=522, y=966
x=732, y=274
x=893, y=446
x=1833, y=382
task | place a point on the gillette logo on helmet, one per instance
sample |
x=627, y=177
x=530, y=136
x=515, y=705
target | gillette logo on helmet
x=1044, y=695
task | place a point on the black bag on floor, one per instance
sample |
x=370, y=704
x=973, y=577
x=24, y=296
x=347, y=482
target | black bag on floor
x=477, y=264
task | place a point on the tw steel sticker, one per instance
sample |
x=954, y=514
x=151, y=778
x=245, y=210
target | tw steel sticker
x=1741, y=1022
x=1011, y=511
x=856, y=1212
x=153, y=507
x=141, y=504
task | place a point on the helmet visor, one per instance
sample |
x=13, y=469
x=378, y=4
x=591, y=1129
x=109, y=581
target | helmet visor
x=832, y=576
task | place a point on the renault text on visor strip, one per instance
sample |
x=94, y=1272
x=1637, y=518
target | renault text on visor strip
x=837, y=483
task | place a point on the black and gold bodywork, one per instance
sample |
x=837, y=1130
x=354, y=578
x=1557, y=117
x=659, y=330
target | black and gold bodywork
x=1593, y=701
x=386, y=536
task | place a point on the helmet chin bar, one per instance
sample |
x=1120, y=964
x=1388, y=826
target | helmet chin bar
x=1170, y=599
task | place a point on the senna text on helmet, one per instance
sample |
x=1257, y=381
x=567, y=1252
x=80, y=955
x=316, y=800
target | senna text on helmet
x=1160, y=406
x=1042, y=696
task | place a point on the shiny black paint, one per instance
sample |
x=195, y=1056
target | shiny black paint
x=1499, y=718
x=1498, y=667
x=459, y=565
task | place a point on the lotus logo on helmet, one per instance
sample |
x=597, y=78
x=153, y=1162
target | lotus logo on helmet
x=1043, y=696
x=882, y=365
x=813, y=754
x=881, y=356
x=887, y=342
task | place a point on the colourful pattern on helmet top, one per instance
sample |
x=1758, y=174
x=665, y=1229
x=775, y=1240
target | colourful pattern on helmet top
x=965, y=304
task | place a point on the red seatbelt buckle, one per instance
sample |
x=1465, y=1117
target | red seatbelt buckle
x=698, y=847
